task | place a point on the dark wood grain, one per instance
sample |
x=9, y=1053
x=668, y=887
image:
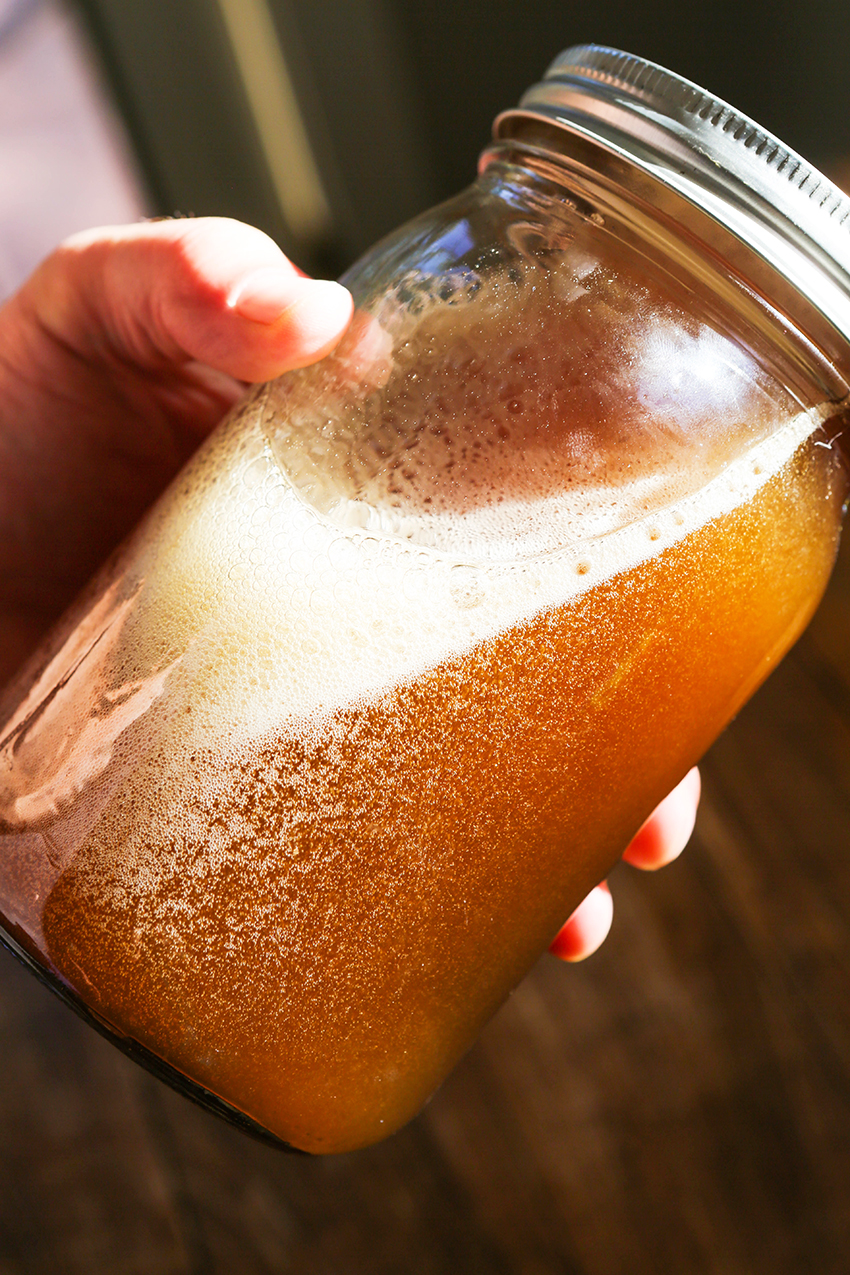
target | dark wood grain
x=679, y=1104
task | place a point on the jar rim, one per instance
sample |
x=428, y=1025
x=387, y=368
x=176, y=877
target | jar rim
x=723, y=163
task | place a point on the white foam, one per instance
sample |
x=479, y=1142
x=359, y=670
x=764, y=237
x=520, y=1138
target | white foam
x=521, y=418
x=301, y=619
x=247, y=614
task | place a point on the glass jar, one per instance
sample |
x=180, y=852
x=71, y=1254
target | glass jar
x=382, y=686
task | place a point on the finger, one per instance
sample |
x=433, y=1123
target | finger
x=210, y=290
x=668, y=829
x=364, y=357
x=587, y=928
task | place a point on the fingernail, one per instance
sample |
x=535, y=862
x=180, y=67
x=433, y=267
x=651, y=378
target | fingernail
x=322, y=310
x=268, y=293
x=587, y=928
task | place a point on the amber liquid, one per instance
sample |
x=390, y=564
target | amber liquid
x=337, y=912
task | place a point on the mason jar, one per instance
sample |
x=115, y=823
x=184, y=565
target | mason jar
x=314, y=770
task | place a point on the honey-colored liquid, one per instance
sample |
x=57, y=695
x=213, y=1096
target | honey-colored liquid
x=321, y=930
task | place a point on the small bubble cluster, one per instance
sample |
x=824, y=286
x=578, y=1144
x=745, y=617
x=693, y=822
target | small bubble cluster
x=531, y=413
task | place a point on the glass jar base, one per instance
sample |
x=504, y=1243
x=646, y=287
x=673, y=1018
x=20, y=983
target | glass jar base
x=145, y=1057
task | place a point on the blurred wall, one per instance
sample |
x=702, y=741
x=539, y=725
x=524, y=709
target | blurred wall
x=64, y=160
x=328, y=122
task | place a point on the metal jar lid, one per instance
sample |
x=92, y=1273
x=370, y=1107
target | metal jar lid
x=790, y=218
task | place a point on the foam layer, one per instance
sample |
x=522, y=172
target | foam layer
x=305, y=619
x=247, y=613
x=459, y=465
x=526, y=416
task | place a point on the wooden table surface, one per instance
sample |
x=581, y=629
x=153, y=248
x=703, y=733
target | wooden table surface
x=679, y=1104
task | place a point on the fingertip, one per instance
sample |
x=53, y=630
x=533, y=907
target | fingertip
x=290, y=320
x=316, y=320
x=668, y=829
x=273, y=293
x=587, y=928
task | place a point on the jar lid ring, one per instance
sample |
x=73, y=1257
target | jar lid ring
x=724, y=163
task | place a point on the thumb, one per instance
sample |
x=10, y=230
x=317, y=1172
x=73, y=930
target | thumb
x=210, y=290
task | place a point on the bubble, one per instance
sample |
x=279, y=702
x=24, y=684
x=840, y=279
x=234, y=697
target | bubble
x=254, y=474
x=321, y=603
x=300, y=562
x=345, y=594
x=276, y=495
x=466, y=587
x=343, y=554
x=386, y=572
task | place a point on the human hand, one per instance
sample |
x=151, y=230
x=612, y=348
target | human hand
x=123, y=350
x=120, y=353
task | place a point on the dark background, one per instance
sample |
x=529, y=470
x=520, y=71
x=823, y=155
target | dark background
x=398, y=96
